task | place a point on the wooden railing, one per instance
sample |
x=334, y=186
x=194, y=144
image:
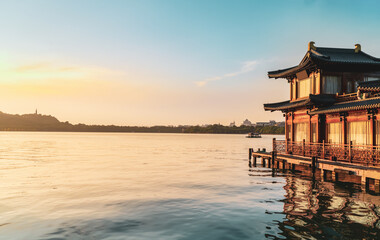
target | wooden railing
x=346, y=97
x=366, y=155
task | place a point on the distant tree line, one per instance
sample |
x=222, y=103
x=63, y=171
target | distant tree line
x=38, y=122
x=217, y=128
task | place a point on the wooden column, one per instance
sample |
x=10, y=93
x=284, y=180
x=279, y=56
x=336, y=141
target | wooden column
x=286, y=132
x=319, y=85
x=323, y=149
x=344, y=128
x=286, y=126
x=310, y=132
x=303, y=147
x=291, y=90
x=350, y=151
x=373, y=129
x=292, y=127
x=317, y=138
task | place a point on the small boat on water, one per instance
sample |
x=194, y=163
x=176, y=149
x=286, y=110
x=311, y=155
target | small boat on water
x=253, y=135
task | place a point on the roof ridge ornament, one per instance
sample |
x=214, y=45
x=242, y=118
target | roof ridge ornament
x=311, y=46
x=358, y=48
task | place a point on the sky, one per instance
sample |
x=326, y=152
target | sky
x=165, y=62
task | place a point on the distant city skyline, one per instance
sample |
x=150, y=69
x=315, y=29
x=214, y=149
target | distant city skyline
x=165, y=62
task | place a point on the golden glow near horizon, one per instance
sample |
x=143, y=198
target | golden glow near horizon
x=98, y=95
x=43, y=79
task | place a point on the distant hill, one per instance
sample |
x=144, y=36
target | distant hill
x=38, y=122
x=29, y=122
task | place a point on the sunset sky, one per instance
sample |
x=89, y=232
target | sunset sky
x=165, y=62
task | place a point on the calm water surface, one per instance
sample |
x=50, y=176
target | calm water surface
x=166, y=186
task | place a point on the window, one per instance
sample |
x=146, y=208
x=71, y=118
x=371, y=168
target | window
x=303, y=88
x=313, y=132
x=378, y=133
x=314, y=84
x=294, y=92
x=334, y=132
x=359, y=132
x=352, y=86
x=301, y=132
x=331, y=84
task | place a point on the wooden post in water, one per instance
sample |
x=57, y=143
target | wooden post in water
x=377, y=186
x=284, y=163
x=273, y=165
x=254, y=161
x=313, y=165
x=250, y=153
x=365, y=182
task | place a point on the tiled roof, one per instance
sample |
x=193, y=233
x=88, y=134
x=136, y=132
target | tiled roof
x=312, y=100
x=343, y=55
x=339, y=59
x=370, y=86
x=282, y=106
x=349, y=106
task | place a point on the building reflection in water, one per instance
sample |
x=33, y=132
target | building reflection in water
x=325, y=210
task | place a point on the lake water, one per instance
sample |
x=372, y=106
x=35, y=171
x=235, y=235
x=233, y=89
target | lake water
x=166, y=186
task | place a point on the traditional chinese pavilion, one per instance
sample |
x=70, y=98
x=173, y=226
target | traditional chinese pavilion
x=333, y=110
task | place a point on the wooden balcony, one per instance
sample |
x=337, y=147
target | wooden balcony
x=365, y=155
x=346, y=97
x=354, y=96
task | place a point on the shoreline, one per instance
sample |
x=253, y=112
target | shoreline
x=57, y=131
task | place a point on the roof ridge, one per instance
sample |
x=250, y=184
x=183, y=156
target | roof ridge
x=335, y=48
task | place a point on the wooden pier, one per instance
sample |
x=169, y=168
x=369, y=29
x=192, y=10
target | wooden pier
x=319, y=169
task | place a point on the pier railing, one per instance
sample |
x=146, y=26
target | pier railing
x=367, y=155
